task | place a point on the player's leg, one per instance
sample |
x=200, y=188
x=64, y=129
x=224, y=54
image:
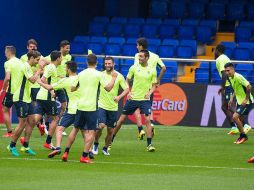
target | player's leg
x=141, y=132
x=7, y=104
x=62, y=98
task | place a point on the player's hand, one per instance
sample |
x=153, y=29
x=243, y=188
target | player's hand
x=1, y=92
x=114, y=74
x=147, y=96
x=116, y=99
x=129, y=97
x=52, y=92
x=230, y=103
x=158, y=83
x=244, y=102
x=221, y=91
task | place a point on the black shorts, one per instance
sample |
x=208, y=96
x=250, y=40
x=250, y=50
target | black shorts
x=67, y=120
x=107, y=117
x=34, y=92
x=23, y=109
x=86, y=120
x=228, y=93
x=7, y=101
x=132, y=105
x=61, y=95
x=46, y=107
x=243, y=110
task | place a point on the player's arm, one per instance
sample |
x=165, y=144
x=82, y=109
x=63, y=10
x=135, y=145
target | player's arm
x=231, y=100
x=44, y=85
x=35, y=76
x=110, y=85
x=162, y=70
x=248, y=91
x=6, y=82
x=223, y=82
x=125, y=88
x=148, y=95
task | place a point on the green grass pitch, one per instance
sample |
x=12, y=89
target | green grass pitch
x=185, y=158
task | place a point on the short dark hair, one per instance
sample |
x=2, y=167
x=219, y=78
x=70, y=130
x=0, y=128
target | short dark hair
x=146, y=52
x=142, y=42
x=220, y=48
x=54, y=55
x=72, y=65
x=229, y=64
x=11, y=49
x=33, y=53
x=109, y=58
x=91, y=59
x=64, y=43
x=31, y=41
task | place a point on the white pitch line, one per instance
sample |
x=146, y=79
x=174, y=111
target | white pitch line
x=133, y=163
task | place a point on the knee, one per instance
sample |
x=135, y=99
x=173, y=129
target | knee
x=235, y=117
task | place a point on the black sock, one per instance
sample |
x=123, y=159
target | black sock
x=140, y=128
x=9, y=131
x=105, y=148
x=67, y=149
x=85, y=154
x=47, y=124
x=113, y=137
x=58, y=148
x=96, y=144
x=26, y=144
x=12, y=144
x=232, y=124
x=149, y=141
x=48, y=140
x=151, y=121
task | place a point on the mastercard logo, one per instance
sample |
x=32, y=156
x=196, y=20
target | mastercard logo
x=169, y=104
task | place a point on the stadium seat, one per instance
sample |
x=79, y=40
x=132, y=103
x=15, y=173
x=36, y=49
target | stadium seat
x=132, y=30
x=114, y=29
x=159, y=9
x=150, y=31
x=81, y=63
x=154, y=41
x=250, y=11
x=190, y=22
x=97, y=48
x=177, y=10
x=243, y=34
x=170, y=42
x=201, y=75
x=184, y=52
x=112, y=49
x=119, y=20
x=229, y=52
x=204, y=34
x=131, y=41
x=220, y=1
x=98, y=39
x=241, y=54
x=231, y=45
x=247, y=45
x=196, y=10
x=190, y=43
x=204, y=65
x=116, y=40
x=216, y=79
x=136, y=21
x=96, y=29
x=216, y=11
x=170, y=64
x=80, y=59
x=186, y=32
x=235, y=11
x=77, y=48
x=102, y=19
x=247, y=24
x=84, y=39
x=129, y=50
x=152, y=48
x=167, y=31
x=166, y=51
x=155, y=21
x=248, y=67
x=172, y=21
x=209, y=23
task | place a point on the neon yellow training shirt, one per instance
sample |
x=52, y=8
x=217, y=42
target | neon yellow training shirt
x=220, y=63
x=153, y=60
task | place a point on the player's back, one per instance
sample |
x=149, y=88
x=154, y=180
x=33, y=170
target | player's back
x=15, y=67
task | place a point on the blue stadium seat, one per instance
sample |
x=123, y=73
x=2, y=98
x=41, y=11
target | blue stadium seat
x=97, y=48
x=216, y=79
x=132, y=30
x=231, y=45
x=241, y=54
x=102, y=19
x=166, y=51
x=136, y=20
x=131, y=41
x=201, y=75
x=98, y=39
x=159, y=9
x=150, y=30
x=171, y=42
x=209, y=23
x=156, y=21
x=220, y=1
x=154, y=41
x=235, y=11
x=204, y=65
x=80, y=60
x=247, y=24
x=152, y=48
x=204, y=34
x=112, y=49
x=96, y=29
x=84, y=39
x=114, y=29
x=196, y=10
x=250, y=11
x=167, y=31
x=170, y=64
x=243, y=34
x=116, y=40
x=172, y=21
x=248, y=67
x=77, y=48
x=190, y=22
x=177, y=10
x=190, y=43
x=186, y=32
x=129, y=49
x=216, y=11
x=248, y=45
x=184, y=52
x=229, y=52
x=119, y=20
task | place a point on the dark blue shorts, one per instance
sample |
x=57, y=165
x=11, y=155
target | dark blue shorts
x=228, y=93
x=86, y=120
x=7, y=101
x=46, y=107
x=34, y=92
x=243, y=110
x=67, y=120
x=109, y=118
x=61, y=95
x=23, y=109
x=132, y=105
